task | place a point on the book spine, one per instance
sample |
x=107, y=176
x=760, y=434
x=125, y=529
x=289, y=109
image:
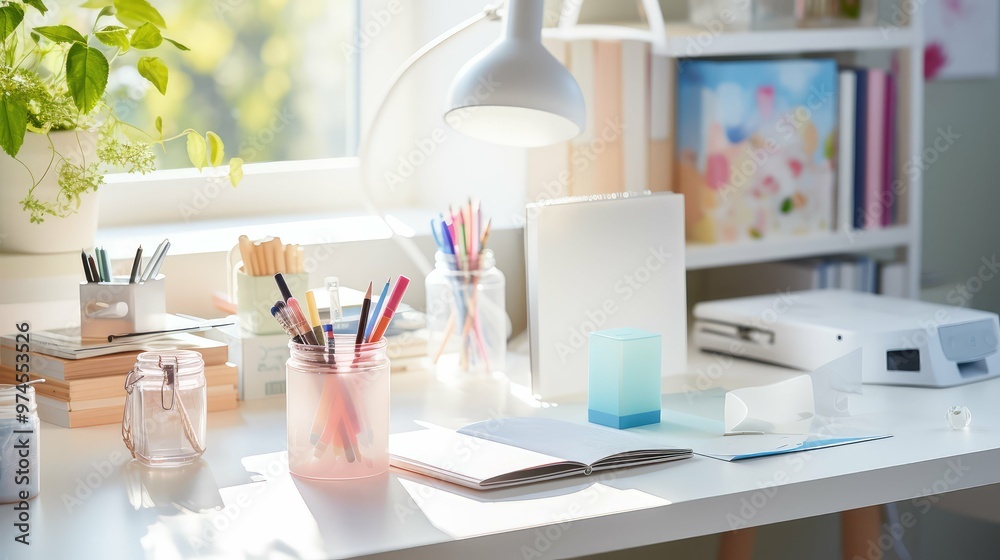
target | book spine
x=860, y=152
x=661, y=107
x=845, y=152
x=888, y=193
x=608, y=122
x=583, y=169
x=635, y=115
x=875, y=146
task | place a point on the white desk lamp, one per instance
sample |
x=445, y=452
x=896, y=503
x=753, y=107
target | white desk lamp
x=535, y=102
x=532, y=100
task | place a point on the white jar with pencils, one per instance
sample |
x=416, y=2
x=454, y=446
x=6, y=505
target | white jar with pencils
x=338, y=409
x=466, y=315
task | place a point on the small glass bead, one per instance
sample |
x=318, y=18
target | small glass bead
x=959, y=417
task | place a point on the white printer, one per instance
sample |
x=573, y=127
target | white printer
x=904, y=342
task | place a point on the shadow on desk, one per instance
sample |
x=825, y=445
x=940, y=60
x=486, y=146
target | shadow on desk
x=188, y=488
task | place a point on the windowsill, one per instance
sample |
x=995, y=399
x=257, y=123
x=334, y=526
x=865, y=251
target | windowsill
x=269, y=191
x=222, y=235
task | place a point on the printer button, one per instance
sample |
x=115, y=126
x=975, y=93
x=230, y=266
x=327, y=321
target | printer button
x=972, y=341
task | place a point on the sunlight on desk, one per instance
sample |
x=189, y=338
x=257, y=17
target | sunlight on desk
x=463, y=514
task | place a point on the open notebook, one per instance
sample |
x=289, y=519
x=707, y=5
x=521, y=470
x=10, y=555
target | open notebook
x=511, y=451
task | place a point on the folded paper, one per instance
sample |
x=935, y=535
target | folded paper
x=791, y=406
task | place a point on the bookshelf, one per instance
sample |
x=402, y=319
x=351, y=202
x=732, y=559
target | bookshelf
x=702, y=256
x=681, y=40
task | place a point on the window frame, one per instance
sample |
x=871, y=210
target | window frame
x=279, y=189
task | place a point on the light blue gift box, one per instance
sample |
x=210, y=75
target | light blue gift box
x=624, y=387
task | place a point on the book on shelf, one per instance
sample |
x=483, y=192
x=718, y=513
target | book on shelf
x=661, y=122
x=892, y=279
x=868, y=145
x=858, y=273
x=874, y=172
x=635, y=115
x=845, y=150
x=514, y=451
x=860, y=147
x=581, y=168
x=754, y=154
x=62, y=368
x=889, y=189
x=605, y=153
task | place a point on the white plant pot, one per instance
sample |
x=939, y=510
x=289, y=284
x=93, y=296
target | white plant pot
x=54, y=235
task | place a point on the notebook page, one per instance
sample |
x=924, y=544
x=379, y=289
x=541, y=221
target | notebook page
x=585, y=443
x=468, y=457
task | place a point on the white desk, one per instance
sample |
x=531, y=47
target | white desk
x=403, y=516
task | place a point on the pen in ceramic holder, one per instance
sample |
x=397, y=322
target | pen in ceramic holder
x=338, y=409
x=466, y=316
x=120, y=307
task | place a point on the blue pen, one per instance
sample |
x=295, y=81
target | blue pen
x=378, y=309
x=449, y=243
x=437, y=233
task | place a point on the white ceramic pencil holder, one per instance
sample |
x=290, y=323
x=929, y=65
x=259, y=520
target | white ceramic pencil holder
x=117, y=307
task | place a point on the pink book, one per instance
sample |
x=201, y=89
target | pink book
x=875, y=145
x=889, y=170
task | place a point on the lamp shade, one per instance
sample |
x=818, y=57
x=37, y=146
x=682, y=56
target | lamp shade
x=515, y=92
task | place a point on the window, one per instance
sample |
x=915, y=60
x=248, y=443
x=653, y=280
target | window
x=272, y=77
x=326, y=64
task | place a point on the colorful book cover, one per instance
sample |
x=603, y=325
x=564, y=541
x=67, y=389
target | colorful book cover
x=756, y=147
x=860, y=150
x=875, y=146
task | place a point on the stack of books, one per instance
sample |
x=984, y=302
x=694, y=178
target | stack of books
x=85, y=383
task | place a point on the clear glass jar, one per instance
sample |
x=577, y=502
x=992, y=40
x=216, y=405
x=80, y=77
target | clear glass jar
x=18, y=444
x=337, y=403
x=466, y=316
x=166, y=408
x=717, y=16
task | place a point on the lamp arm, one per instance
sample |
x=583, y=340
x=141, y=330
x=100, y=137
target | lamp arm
x=408, y=246
x=491, y=13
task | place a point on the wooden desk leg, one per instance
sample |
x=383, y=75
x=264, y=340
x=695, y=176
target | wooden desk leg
x=860, y=530
x=737, y=545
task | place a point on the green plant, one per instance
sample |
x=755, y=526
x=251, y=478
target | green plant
x=54, y=78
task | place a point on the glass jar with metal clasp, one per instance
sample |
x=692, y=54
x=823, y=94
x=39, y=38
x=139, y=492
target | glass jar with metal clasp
x=165, y=408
